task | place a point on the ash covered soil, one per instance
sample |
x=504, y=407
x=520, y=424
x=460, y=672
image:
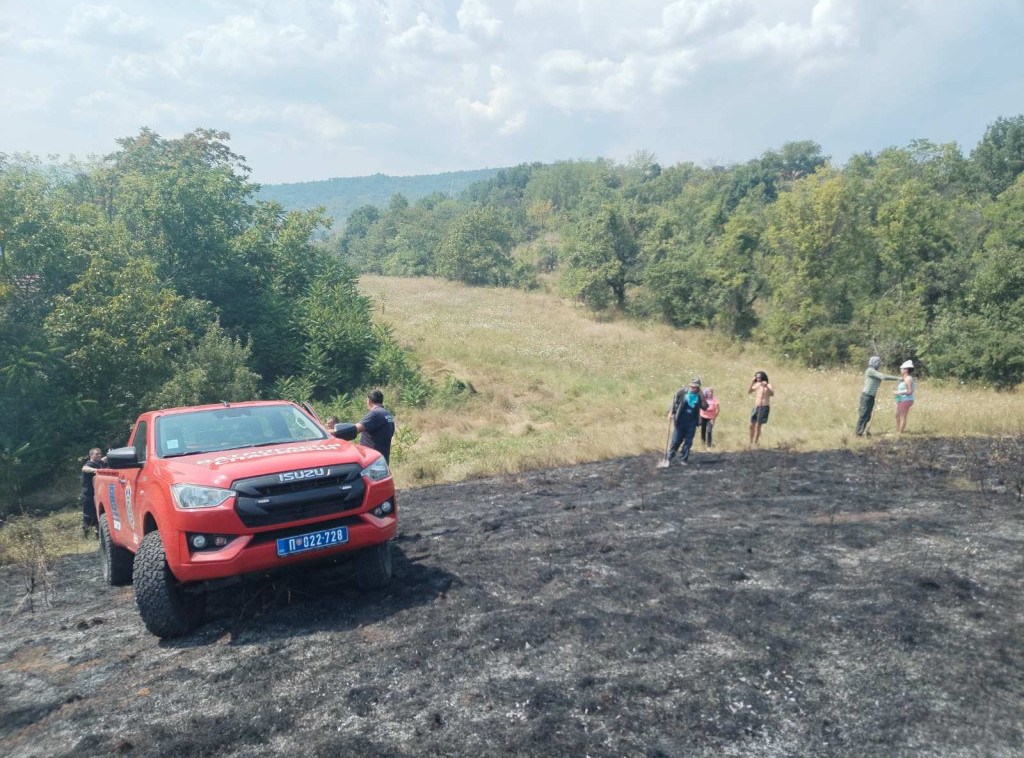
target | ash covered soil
x=752, y=604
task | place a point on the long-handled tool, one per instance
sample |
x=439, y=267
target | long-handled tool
x=663, y=463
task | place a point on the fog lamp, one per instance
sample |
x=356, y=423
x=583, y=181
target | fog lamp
x=198, y=541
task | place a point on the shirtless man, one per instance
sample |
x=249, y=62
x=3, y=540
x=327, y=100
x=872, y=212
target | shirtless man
x=762, y=405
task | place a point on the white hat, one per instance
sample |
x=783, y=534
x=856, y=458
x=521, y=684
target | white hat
x=907, y=364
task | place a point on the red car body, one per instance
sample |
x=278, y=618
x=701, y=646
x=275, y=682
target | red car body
x=135, y=501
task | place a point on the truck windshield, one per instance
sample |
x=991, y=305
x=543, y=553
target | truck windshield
x=232, y=428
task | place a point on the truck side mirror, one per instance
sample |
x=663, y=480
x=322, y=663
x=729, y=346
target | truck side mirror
x=122, y=457
x=345, y=431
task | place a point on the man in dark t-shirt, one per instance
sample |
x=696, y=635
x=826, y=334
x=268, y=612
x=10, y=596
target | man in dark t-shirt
x=93, y=462
x=377, y=426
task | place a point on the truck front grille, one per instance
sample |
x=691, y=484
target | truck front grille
x=268, y=501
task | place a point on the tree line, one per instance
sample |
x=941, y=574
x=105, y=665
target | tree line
x=153, y=278
x=911, y=252
x=342, y=195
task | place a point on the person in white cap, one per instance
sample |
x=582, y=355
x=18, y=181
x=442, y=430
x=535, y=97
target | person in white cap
x=872, y=379
x=904, y=395
x=685, y=412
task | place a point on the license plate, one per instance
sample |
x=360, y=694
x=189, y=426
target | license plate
x=313, y=541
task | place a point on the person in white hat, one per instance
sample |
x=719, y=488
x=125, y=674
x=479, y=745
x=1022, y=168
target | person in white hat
x=904, y=394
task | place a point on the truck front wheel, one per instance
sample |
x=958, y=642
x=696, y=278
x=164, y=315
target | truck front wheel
x=115, y=560
x=373, y=567
x=166, y=608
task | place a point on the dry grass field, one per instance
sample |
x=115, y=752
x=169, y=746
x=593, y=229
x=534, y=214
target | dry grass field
x=556, y=386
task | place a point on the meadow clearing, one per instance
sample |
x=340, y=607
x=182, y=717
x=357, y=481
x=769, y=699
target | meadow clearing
x=555, y=385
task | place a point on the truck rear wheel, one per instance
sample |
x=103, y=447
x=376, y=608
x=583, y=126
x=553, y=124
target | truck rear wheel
x=115, y=560
x=166, y=608
x=373, y=567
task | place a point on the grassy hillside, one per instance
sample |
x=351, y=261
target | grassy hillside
x=555, y=386
x=343, y=195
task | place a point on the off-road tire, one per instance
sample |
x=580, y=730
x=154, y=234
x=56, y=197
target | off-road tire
x=115, y=560
x=373, y=567
x=166, y=608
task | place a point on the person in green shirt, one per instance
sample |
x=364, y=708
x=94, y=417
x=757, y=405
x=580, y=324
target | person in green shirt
x=872, y=379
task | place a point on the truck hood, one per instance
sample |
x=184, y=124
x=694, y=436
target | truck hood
x=222, y=468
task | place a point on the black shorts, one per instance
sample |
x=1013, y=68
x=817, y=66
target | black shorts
x=760, y=414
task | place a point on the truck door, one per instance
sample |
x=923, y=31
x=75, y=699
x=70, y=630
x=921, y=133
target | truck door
x=127, y=496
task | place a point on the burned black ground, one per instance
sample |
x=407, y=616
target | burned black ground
x=768, y=604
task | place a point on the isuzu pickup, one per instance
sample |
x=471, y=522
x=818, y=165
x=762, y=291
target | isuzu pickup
x=205, y=494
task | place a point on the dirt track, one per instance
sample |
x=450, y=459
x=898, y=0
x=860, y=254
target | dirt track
x=766, y=604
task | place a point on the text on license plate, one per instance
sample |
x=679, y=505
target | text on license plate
x=313, y=541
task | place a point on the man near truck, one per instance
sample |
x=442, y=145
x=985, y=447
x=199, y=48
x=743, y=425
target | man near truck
x=93, y=462
x=377, y=426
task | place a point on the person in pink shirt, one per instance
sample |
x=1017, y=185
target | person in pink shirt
x=707, y=417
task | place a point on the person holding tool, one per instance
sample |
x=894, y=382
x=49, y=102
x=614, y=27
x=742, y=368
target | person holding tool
x=685, y=413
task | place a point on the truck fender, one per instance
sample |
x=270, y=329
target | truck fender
x=171, y=547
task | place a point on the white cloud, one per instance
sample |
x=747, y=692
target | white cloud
x=105, y=24
x=501, y=106
x=167, y=114
x=572, y=81
x=20, y=100
x=138, y=68
x=428, y=37
x=477, y=16
x=95, y=104
x=45, y=47
x=315, y=120
x=828, y=33
x=248, y=114
x=244, y=43
x=412, y=85
x=685, y=19
x=88, y=19
x=514, y=124
x=672, y=70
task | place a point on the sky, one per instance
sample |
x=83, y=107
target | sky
x=313, y=89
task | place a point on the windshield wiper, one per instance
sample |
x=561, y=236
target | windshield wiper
x=280, y=442
x=190, y=452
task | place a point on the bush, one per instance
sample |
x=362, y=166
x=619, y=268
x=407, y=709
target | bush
x=216, y=369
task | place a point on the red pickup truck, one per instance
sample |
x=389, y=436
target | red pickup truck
x=213, y=492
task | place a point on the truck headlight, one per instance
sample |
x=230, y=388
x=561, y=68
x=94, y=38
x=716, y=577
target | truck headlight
x=194, y=496
x=377, y=470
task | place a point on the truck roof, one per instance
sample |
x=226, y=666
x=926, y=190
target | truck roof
x=214, y=406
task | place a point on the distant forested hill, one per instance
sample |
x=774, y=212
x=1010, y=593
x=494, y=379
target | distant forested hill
x=343, y=195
